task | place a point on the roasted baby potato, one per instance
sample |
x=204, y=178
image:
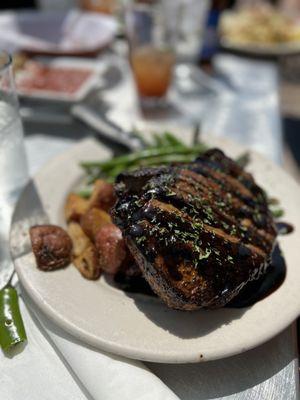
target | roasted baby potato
x=75, y=207
x=87, y=263
x=92, y=221
x=111, y=248
x=103, y=195
x=79, y=239
x=51, y=246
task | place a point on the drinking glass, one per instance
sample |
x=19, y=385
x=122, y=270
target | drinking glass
x=101, y=6
x=13, y=165
x=151, y=36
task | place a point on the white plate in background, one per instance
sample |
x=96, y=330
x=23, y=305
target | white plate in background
x=55, y=33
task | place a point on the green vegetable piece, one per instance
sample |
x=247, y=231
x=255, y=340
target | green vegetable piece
x=277, y=213
x=172, y=140
x=147, y=157
x=85, y=192
x=12, y=329
x=243, y=160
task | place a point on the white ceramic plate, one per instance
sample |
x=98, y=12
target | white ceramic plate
x=140, y=327
x=56, y=32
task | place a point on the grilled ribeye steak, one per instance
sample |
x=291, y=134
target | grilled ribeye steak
x=199, y=231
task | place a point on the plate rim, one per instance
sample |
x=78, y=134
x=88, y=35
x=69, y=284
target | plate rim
x=52, y=51
x=282, y=49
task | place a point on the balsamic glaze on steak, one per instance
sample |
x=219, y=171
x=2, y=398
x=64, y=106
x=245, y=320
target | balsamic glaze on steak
x=199, y=232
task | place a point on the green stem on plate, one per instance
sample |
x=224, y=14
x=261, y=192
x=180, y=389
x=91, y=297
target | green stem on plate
x=12, y=329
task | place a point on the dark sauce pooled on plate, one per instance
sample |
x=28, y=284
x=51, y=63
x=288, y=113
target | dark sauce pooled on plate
x=257, y=290
x=253, y=291
x=284, y=228
x=133, y=284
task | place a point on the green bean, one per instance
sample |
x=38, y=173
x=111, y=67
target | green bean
x=277, y=213
x=131, y=158
x=172, y=140
x=243, y=160
x=151, y=162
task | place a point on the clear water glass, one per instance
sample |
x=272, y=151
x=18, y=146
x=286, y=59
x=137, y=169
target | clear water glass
x=13, y=164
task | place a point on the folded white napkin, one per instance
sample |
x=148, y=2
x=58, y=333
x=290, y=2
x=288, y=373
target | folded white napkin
x=53, y=365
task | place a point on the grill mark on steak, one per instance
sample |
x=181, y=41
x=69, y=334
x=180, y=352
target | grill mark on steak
x=198, y=181
x=199, y=232
x=177, y=223
x=182, y=197
x=232, y=168
x=225, y=217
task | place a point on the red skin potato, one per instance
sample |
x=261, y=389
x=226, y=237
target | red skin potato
x=111, y=248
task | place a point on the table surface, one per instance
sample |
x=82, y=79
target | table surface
x=265, y=373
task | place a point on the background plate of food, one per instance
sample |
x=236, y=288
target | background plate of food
x=115, y=315
x=260, y=30
x=63, y=79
